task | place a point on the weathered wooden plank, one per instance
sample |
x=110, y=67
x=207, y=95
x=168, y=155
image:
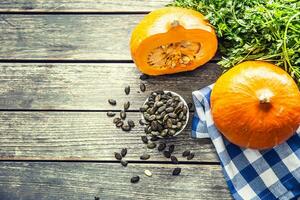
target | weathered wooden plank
x=84, y=136
x=88, y=86
x=66, y=37
x=43, y=181
x=81, y=6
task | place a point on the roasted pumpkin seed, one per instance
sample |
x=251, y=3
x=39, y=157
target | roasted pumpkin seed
x=135, y=179
x=126, y=127
x=127, y=90
x=169, y=109
x=172, y=115
x=126, y=105
x=186, y=153
x=174, y=160
x=145, y=156
x=144, y=139
x=110, y=114
x=161, y=146
x=131, y=123
x=142, y=122
x=191, y=156
x=176, y=171
x=124, y=163
x=116, y=120
x=119, y=124
x=112, y=102
x=152, y=117
x=123, y=152
x=142, y=87
x=167, y=154
x=154, y=126
x=171, y=148
x=172, y=132
x=123, y=114
x=151, y=145
x=164, y=133
x=118, y=156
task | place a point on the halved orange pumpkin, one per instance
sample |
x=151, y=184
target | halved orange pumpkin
x=171, y=40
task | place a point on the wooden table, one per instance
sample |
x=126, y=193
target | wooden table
x=60, y=62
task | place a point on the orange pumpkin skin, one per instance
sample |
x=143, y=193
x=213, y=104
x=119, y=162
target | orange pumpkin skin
x=256, y=105
x=172, y=25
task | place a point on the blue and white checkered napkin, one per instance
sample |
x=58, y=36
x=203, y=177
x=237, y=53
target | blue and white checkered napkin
x=249, y=173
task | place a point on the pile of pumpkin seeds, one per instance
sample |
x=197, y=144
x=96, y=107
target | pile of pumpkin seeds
x=164, y=114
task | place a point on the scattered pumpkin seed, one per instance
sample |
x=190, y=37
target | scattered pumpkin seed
x=119, y=124
x=126, y=127
x=191, y=156
x=151, y=145
x=131, y=123
x=135, y=179
x=127, y=90
x=171, y=148
x=126, y=105
x=118, y=156
x=161, y=146
x=110, y=114
x=142, y=87
x=124, y=163
x=112, y=102
x=174, y=160
x=144, y=139
x=186, y=153
x=148, y=173
x=145, y=156
x=116, y=120
x=167, y=154
x=123, y=114
x=176, y=171
x=142, y=122
x=123, y=152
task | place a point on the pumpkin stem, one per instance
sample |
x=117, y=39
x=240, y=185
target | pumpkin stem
x=265, y=98
x=175, y=23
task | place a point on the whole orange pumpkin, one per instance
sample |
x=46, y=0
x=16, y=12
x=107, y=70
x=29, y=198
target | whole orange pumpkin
x=256, y=105
x=171, y=40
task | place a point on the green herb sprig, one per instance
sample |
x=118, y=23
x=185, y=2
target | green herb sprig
x=266, y=30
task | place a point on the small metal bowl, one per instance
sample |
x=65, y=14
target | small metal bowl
x=187, y=114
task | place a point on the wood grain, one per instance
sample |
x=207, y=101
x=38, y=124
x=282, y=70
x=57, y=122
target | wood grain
x=66, y=37
x=84, y=136
x=89, y=86
x=81, y=5
x=42, y=181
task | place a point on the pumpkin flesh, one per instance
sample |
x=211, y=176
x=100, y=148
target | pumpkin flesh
x=171, y=40
x=256, y=105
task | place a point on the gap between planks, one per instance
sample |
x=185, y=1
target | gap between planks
x=158, y=162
